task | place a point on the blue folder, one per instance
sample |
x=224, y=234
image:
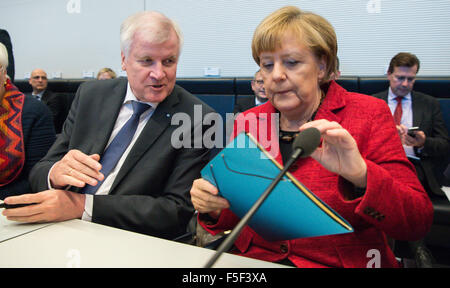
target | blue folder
x=243, y=170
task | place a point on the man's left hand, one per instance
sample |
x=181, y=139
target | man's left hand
x=417, y=141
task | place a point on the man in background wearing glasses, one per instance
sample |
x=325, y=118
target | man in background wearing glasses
x=430, y=143
x=260, y=97
x=39, y=82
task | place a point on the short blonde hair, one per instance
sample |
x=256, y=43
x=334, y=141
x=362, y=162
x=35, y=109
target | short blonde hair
x=312, y=29
x=107, y=70
x=3, y=56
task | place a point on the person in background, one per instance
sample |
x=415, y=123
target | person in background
x=410, y=108
x=26, y=134
x=56, y=102
x=258, y=98
x=106, y=73
x=359, y=170
x=39, y=83
x=116, y=162
x=426, y=147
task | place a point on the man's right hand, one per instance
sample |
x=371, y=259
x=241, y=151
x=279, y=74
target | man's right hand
x=76, y=169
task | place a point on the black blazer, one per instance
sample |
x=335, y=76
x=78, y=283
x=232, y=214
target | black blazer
x=57, y=102
x=38, y=137
x=151, y=191
x=428, y=117
x=243, y=104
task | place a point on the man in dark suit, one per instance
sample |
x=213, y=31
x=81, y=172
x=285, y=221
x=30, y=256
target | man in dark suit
x=39, y=82
x=258, y=98
x=430, y=144
x=147, y=188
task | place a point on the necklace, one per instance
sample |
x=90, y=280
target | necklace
x=289, y=136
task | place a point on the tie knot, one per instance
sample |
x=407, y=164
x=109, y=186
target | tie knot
x=399, y=99
x=139, y=108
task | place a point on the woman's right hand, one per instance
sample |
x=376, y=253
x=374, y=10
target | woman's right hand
x=205, y=198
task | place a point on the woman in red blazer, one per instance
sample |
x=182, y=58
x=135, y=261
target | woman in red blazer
x=360, y=169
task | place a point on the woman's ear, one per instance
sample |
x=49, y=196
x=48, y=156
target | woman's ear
x=322, y=69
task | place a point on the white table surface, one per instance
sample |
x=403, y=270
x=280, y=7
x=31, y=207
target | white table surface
x=79, y=243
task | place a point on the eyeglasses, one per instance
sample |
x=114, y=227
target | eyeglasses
x=37, y=77
x=403, y=78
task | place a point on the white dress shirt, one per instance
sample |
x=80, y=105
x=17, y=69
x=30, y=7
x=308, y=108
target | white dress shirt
x=407, y=115
x=38, y=96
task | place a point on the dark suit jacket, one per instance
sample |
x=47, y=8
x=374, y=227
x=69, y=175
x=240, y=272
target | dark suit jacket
x=428, y=117
x=151, y=191
x=57, y=103
x=243, y=104
x=38, y=137
x=6, y=40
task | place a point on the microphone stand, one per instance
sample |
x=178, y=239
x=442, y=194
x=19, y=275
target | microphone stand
x=226, y=244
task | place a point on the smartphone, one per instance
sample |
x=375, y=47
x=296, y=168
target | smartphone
x=412, y=131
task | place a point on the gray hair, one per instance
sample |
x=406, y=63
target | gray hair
x=3, y=57
x=157, y=28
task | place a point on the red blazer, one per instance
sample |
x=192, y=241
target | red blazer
x=394, y=205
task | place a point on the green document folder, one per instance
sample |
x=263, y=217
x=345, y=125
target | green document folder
x=243, y=170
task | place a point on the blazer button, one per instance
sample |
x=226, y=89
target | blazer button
x=284, y=248
x=380, y=217
x=369, y=211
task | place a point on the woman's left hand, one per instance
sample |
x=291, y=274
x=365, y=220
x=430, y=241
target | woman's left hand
x=339, y=152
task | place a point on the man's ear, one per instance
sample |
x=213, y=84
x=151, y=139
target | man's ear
x=122, y=56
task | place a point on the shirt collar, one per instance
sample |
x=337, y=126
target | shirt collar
x=392, y=96
x=38, y=94
x=131, y=97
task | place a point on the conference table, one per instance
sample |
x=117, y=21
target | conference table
x=78, y=243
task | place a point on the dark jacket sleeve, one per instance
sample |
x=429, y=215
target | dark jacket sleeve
x=437, y=142
x=39, y=135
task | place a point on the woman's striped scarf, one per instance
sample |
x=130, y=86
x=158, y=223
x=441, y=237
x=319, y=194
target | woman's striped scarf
x=12, y=153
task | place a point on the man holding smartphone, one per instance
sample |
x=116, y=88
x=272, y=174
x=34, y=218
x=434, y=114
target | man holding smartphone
x=421, y=129
x=419, y=119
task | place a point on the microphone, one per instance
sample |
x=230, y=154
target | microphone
x=304, y=144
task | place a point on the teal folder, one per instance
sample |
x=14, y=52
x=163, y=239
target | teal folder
x=243, y=170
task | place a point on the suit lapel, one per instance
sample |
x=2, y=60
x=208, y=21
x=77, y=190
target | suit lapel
x=155, y=126
x=333, y=102
x=385, y=96
x=112, y=102
x=45, y=96
x=418, y=109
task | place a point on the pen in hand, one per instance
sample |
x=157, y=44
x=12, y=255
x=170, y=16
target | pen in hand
x=12, y=206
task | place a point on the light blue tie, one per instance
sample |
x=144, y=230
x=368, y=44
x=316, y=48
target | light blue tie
x=119, y=144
